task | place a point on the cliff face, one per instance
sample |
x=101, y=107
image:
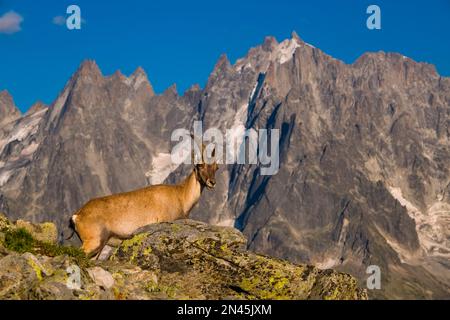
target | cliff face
x=181, y=260
x=364, y=157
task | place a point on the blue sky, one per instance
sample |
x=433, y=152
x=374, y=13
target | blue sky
x=180, y=41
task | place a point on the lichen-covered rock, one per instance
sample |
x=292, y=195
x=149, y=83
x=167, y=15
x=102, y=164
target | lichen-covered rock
x=46, y=232
x=180, y=260
x=196, y=260
x=5, y=224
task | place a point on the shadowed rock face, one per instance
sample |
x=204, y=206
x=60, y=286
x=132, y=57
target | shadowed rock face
x=364, y=157
x=181, y=260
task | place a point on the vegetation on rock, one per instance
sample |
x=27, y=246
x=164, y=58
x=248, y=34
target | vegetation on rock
x=180, y=260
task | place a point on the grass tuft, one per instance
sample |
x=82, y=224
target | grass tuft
x=21, y=241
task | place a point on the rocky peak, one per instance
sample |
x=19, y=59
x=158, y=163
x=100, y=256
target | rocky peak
x=295, y=37
x=193, y=94
x=8, y=110
x=139, y=73
x=89, y=67
x=139, y=78
x=88, y=72
x=195, y=87
x=222, y=65
x=221, y=70
x=269, y=43
x=119, y=75
x=36, y=107
x=260, y=58
x=396, y=70
x=171, y=91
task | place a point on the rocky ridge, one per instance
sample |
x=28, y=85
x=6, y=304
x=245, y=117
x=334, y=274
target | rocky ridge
x=180, y=260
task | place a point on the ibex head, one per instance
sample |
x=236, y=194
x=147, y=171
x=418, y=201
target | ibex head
x=206, y=170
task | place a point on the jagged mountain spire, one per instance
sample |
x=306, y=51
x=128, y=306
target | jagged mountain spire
x=36, y=107
x=139, y=78
x=8, y=110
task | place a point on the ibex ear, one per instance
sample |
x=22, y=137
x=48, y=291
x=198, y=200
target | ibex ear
x=213, y=153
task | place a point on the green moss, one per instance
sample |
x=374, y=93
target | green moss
x=136, y=240
x=53, y=250
x=36, y=269
x=279, y=284
x=175, y=227
x=19, y=240
x=147, y=251
x=118, y=294
x=249, y=284
x=334, y=295
x=170, y=291
x=151, y=287
x=270, y=280
x=5, y=225
x=133, y=244
x=49, y=231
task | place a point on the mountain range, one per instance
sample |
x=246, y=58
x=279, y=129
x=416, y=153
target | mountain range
x=364, y=174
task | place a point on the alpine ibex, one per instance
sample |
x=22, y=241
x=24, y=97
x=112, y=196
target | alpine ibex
x=120, y=215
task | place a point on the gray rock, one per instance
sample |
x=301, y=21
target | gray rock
x=182, y=260
x=101, y=277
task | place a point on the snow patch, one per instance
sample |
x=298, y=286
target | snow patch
x=432, y=226
x=226, y=223
x=21, y=131
x=166, y=163
x=285, y=50
x=162, y=167
x=138, y=81
x=327, y=264
x=4, y=177
x=235, y=135
x=397, y=194
x=252, y=94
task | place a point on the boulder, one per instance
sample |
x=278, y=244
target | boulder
x=197, y=260
x=180, y=260
x=45, y=232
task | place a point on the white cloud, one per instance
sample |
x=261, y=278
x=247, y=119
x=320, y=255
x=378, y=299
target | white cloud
x=10, y=22
x=59, y=20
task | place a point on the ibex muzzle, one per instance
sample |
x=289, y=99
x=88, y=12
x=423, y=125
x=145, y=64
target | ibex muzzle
x=120, y=215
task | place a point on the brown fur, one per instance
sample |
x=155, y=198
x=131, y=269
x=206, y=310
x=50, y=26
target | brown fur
x=120, y=215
